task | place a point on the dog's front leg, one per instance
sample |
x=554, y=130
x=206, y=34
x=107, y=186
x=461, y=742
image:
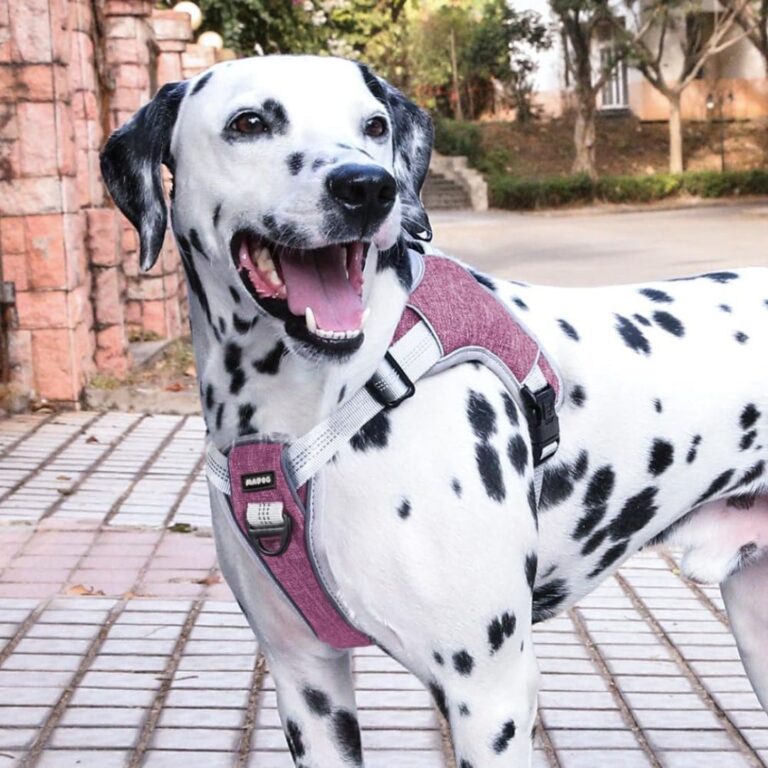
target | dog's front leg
x=315, y=693
x=315, y=696
x=490, y=699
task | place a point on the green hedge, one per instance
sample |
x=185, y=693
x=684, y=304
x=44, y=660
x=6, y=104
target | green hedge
x=526, y=194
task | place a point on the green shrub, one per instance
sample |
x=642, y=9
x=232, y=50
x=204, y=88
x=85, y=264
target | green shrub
x=457, y=138
x=513, y=193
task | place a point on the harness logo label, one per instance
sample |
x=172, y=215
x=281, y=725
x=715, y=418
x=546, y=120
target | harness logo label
x=259, y=481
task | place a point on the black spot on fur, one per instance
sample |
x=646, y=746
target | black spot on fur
x=216, y=214
x=694, y=449
x=244, y=415
x=547, y=598
x=556, y=486
x=404, y=510
x=489, y=467
x=456, y=486
x=317, y=701
x=233, y=355
x=510, y=409
x=219, y=416
x=270, y=363
x=531, y=496
x=600, y=487
x=375, y=434
x=209, y=400
x=234, y=294
x=748, y=439
x=717, y=485
x=295, y=163
x=726, y=308
x=463, y=663
x=465, y=764
x=588, y=522
x=657, y=406
x=750, y=476
x=464, y=710
x=193, y=278
x=749, y=416
x=609, y=558
x=501, y=742
x=636, y=513
x=580, y=466
x=195, y=240
x=660, y=297
x=484, y=280
x=641, y=319
x=342, y=393
x=201, y=83
x=531, y=565
x=669, y=323
x=222, y=325
x=578, y=396
x=294, y=739
x=633, y=337
x=721, y=277
x=275, y=115
x=482, y=416
x=568, y=329
x=594, y=541
x=500, y=629
x=438, y=694
x=741, y=337
x=519, y=303
x=241, y=326
x=347, y=732
x=438, y=657
x=662, y=456
x=517, y=451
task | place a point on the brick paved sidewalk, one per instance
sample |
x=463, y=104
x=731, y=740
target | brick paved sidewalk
x=120, y=646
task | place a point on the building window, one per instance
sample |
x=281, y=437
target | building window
x=614, y=93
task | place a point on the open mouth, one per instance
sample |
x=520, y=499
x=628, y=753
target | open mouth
x=317, y=292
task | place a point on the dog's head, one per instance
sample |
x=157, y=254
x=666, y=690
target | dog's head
x=290, y=171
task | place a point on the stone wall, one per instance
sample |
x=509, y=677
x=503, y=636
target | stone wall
x=70, y=72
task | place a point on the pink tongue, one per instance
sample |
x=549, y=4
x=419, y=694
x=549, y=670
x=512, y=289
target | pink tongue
x=318, y=279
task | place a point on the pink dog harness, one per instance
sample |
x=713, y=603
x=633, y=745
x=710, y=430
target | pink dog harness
x=270, y=482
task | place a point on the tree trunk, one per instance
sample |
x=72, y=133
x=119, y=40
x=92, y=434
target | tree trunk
x=675, y=134
x=457, y=111
x=584, y=136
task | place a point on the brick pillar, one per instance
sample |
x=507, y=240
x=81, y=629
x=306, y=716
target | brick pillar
x=41, y=224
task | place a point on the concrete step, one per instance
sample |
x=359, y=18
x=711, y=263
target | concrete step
x=440, y=193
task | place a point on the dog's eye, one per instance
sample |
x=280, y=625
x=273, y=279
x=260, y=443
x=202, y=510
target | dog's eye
x=376, y=127
x=249, y=123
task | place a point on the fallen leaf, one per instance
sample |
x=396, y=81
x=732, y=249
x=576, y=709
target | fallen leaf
x=92, y=439
x=82, y=589
x=209, y=581
x=175, y=386
x=63, y=477
x=181, y=528
x=66, y=491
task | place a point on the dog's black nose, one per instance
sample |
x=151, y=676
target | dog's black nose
x=365, y=191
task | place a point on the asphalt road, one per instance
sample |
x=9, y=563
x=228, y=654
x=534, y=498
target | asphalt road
x=601, y=247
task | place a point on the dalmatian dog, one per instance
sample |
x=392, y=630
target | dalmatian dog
x=295, y=201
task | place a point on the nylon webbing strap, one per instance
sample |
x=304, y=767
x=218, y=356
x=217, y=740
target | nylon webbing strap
x=536, y=382
x=415, y=353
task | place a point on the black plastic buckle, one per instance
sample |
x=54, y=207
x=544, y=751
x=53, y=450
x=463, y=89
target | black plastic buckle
x=380, y=393
x=543, y=423
x=270, y=532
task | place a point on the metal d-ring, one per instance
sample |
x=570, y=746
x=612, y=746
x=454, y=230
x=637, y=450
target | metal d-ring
x=284, y=531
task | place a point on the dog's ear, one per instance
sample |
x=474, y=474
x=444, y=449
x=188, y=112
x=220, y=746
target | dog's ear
x=130, y=165
x=412, y=135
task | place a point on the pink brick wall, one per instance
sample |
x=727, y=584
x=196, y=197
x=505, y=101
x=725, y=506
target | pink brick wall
x=66, y=80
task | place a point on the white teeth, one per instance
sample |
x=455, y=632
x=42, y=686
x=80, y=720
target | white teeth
x=310, y=318
x=336, y=335
x=274, y=278
x=264, y=261
x=364, y=319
